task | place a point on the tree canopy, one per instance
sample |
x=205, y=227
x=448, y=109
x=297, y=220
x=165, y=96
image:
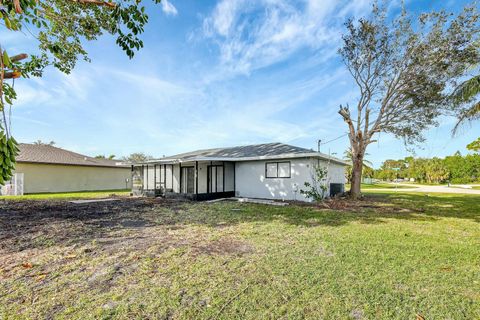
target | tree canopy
x=474, y=146
x=60, y=28
x=455, y=168
x=102, y=156
x=403, y=70
x=137, y=157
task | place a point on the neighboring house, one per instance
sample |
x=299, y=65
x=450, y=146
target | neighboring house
x=269, y=171
x=50, y=169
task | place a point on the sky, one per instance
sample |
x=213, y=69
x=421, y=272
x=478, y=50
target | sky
x=214, y=74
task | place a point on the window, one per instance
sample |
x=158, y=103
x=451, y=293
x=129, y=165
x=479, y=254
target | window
x=284, y=169
x=271, y=170
x=277, y=169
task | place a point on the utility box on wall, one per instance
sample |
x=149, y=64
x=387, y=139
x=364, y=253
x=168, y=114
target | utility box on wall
x=336, y=188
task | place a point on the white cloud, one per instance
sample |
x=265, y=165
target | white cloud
x=252, y=35
x=169, y=8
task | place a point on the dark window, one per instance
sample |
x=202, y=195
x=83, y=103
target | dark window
x=278, y=169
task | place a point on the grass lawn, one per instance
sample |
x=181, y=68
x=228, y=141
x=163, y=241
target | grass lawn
x=69, y=195
x=392, y=256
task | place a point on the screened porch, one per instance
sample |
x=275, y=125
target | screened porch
x=196, y=180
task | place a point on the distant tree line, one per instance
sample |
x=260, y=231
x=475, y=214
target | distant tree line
x=455, y=169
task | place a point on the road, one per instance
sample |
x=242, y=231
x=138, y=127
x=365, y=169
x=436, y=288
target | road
x=433, y=189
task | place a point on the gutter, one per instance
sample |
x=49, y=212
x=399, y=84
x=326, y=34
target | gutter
x=258, y=158
x=75, y=164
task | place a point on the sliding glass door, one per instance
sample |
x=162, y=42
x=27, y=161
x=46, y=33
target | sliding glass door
x=188, y=180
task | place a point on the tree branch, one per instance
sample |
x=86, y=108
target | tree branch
x=97, y=2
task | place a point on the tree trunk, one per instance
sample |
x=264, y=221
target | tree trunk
x=357, y=167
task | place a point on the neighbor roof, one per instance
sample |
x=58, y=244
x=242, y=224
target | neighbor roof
x=274, y=150
x=47, y=154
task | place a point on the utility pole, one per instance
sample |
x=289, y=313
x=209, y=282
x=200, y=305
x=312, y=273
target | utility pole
x=319, y=142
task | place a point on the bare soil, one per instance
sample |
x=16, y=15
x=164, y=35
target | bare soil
x=118, y=229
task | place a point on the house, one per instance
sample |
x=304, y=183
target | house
x=44, y=168
x=268, y=171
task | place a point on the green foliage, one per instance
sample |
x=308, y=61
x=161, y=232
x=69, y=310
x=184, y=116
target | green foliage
x=455, y=168
x=102, y=156
x=61, y=27
x=63, y=24
x=465, y=101
x=137, y=157
x=318, y=188
x=436, y=171
x=474, y=146
x=40, y=143
x=404, y=69
x=389, y=169
x=8, y=151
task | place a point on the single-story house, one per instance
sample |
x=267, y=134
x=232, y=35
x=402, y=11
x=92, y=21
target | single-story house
x=267, y=171
x=44, y=168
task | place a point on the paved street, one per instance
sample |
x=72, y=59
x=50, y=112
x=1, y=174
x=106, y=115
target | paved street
x=435, y=189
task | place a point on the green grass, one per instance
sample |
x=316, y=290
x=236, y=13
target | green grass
x=69, y=195
x=476, y=187
x=392, y=256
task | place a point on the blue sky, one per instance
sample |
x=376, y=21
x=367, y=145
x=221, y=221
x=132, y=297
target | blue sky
x=213, y=73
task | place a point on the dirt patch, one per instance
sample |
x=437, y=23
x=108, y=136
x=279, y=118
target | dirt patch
x=366, y=204
x=34, y=231
x=39, y=224
x=224, y=246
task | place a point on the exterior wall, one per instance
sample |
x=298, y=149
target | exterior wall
x=40, y=178
x=251, y=181
x=229, y=176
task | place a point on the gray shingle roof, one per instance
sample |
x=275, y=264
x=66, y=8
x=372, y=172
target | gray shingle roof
x=47, y=154
x=266, y=150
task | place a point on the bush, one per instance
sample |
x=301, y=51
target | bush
x=318, y=188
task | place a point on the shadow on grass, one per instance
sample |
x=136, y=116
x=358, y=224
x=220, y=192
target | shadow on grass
x=36, y=224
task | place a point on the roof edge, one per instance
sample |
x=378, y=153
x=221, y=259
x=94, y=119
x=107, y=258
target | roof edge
x=242, y=159
x=121, y=166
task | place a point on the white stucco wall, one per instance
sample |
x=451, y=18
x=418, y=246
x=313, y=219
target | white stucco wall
x=42, y=178
x=252, y=183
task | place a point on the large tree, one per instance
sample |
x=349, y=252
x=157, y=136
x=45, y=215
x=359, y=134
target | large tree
x=60, y=28
x=403, y=70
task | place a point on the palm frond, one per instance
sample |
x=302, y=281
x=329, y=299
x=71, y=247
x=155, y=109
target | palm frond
x=367, y=163
x=466, y=91
x=470, y=114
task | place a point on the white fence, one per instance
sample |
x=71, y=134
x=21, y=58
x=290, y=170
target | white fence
x=14, y=187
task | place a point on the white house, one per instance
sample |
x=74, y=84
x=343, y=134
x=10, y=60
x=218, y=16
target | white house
x=268, y=171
